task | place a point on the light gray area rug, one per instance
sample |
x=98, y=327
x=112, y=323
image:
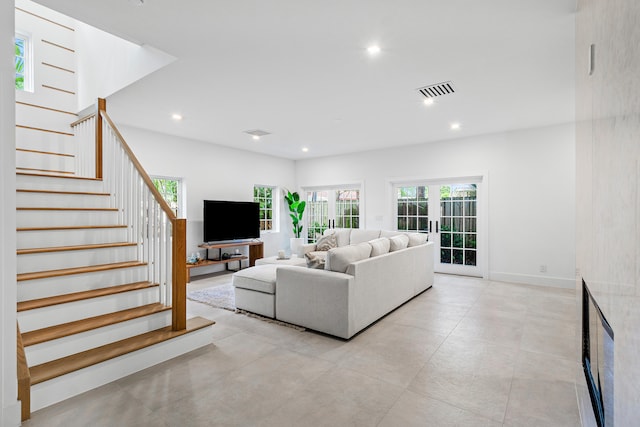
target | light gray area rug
x=223, y=296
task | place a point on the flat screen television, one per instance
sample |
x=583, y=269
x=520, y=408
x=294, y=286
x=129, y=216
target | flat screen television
x=227, y=220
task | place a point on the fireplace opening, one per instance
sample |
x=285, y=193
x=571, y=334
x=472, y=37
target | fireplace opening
x=597, y=358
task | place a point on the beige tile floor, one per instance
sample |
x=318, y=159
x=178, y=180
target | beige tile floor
x=467, y=352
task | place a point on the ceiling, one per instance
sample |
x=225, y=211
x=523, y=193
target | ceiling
x=299, y=69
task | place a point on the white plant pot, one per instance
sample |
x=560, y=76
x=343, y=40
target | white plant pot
x=296, y=244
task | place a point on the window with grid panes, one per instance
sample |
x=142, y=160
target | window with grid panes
x=413, y=208
x=264, y=196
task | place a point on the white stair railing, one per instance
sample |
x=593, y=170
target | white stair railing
x=161, y=237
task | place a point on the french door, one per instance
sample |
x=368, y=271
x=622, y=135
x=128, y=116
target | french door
x=331, y=208
x=449, y=213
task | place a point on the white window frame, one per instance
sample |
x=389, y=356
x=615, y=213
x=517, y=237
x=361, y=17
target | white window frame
x=28, y=60
x=275, y=207
x=181, y=211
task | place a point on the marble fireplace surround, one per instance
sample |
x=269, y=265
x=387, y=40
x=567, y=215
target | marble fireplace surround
x=608, y=190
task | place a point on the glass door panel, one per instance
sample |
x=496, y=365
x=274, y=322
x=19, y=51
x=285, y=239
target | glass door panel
x=457, y=228
x=449, y=213
x=331, y=208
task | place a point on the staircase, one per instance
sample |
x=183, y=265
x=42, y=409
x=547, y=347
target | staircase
x=95, y=302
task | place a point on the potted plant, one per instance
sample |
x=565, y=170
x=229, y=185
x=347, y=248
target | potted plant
x=296, y=210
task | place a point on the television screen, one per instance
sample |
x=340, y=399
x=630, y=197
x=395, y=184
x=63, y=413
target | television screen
x=226, y=220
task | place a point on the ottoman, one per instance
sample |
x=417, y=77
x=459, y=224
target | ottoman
x=288, y=261
x=255, y=289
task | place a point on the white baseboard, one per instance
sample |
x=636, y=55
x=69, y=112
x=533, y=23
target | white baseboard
x=527, y=279
x=11, y=415
x=62, y=388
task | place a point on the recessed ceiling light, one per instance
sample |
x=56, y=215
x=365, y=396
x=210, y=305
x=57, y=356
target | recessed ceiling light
x=255, y=137
x=305, y=149
x=176, y=116
x=455, y=126
x=428, y=101
x=373, y=49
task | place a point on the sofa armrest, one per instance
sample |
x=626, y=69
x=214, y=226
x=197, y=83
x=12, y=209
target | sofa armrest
x=315, y=299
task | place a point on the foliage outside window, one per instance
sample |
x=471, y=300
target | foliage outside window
x=170, y=189
x=21, y=45
x=264, y=196
x=413, y=209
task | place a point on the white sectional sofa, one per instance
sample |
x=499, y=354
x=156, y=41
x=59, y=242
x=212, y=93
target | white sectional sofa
x=366, y=276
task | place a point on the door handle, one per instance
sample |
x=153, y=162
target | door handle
x=436, y=227
x=430, y=226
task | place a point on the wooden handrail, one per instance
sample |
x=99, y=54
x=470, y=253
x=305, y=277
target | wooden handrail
x=24, y=378
x=147, y=180
x=83, y=119
x=178, y=225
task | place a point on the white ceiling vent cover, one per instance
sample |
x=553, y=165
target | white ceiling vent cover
x=438, y=89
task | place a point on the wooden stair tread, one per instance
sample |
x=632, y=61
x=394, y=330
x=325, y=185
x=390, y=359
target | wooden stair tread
x=78, y=270
x=52, y=171
x=74, y=248
x=71, y=328
x=74, y=362
x=84, y=295
x=80, y=193
x=58, y=176
x=67, y=209
x=71, y=227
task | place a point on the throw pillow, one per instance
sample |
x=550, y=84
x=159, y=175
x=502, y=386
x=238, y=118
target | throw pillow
x=398, y=242
x=326, y=242
x=316, y=259
x=379, y=246
x=338, y=259
x=416, y=239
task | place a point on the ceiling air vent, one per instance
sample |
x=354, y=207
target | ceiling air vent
x=257, y=132
x=438, y=89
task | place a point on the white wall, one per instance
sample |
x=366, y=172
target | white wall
x=530, y=176
x=44, y=115
x=215, y=173
x=10, y=415
x=107, y=63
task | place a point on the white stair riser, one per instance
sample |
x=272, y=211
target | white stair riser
x=44, y=161
x=29, y=263
x=42, y=288
x=44, y=141
x=47, y=200
x=74, y=383
x=36, y=218
x=66, y=346
x=35, y=182
x=31, y=320
x=88, y=236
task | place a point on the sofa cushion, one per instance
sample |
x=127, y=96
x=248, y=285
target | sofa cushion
x=327, y=242
x=360, y=236
x=398, y=242
x=390, y=233
x=338, y=259
x=416, y=239
x=343, y=235
x=261, y=278
x=379, y=246
x=316, y=259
